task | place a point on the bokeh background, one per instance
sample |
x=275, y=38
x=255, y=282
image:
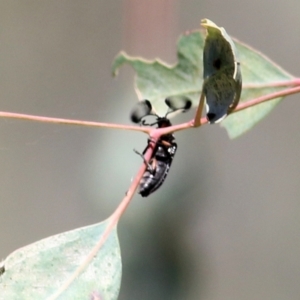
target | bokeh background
x=226, y=223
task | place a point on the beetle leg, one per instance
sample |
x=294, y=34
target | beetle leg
x=150, y=168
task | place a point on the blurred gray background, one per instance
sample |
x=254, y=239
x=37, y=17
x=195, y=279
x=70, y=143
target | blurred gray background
x=226, y=223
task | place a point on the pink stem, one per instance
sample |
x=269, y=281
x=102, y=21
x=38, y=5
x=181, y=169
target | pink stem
x=265, y=98
x=191, y=124
x=293, y=82
x=113, y=222
x=197, y=118
x=71, y=122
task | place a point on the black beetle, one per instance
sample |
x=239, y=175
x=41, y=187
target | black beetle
x=164, y=150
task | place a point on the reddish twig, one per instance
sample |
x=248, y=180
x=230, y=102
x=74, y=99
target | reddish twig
x=71, y=122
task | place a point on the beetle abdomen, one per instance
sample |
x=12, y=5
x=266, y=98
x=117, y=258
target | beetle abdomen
x=151, y=182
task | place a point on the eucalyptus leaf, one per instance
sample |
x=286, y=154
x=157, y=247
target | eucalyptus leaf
x=259, y=72
x=222, y=75
x=155, y=80
x=38, y=271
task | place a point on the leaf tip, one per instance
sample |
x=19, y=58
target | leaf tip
x=206, y=23
x=119, y=60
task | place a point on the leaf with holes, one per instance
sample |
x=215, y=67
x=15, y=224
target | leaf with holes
x=222, y=73
x=155, y=80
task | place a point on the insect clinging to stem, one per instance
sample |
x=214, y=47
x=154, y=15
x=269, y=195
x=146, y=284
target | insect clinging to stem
x=165, y=148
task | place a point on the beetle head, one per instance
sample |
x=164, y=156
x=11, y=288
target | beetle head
x=144, y=108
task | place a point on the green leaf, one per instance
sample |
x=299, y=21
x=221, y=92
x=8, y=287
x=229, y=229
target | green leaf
x=39, y=270
x=155, y=80
x=258, y=70
x=222, y=73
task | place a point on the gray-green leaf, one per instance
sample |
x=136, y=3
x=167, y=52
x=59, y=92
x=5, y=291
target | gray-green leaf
x=39, y=270
x=155, y=80
x=222, y=74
